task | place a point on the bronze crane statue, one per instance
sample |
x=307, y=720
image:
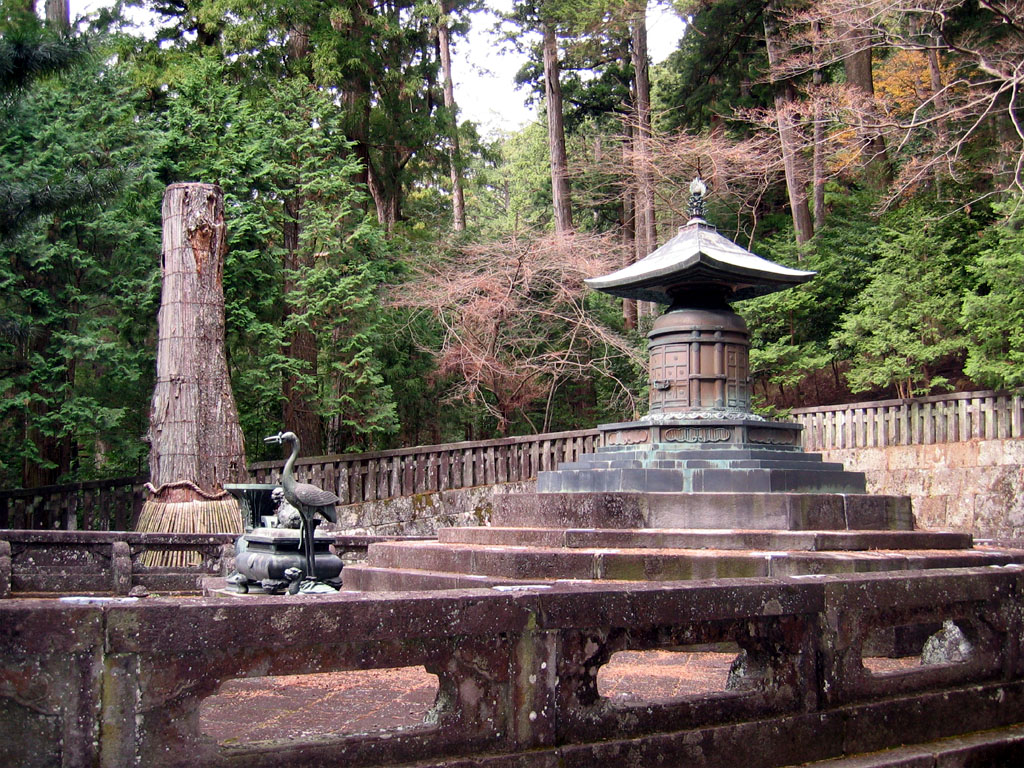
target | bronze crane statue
x=306, y=498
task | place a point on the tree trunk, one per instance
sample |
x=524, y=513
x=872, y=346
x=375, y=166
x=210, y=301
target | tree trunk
x=818, y=163
x=785, y=95
x=195, y=439
x=629, y=314
x=298, y=409
x=938, y=92
x=194, y=431
x=298, y=412
x=646, y=224
x=58, y=15
x=560, y=194
x=857, y=66
x=385, y=200
x=455, y=155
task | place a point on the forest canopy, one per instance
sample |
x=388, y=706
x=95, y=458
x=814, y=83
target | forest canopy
x=394, y=278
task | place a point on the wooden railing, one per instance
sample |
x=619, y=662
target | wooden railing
x=358, y=477
x=949, y=418
x=94, y=505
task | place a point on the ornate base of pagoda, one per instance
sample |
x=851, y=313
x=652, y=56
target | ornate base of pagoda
x=723, y=457
x=687, y=431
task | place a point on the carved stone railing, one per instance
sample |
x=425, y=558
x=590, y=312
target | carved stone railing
x=107, y=562
x=359, y=477
x=949, y=418
x=112, y=562
x=121, y=683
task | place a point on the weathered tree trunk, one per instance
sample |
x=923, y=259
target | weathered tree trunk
x=561, y=197
x=785, y=95
x=455, y=155
x=646, y=224
x=195, y=439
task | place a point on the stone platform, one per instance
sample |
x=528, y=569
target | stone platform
x=668, y=468
x=748, y=511
x=496, y=557
x=787, y=519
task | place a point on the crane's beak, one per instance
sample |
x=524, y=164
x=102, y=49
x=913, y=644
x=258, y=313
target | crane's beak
x=273, y=438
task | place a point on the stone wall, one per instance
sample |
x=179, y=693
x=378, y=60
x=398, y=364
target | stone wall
x=975, y=486
x=421, y=514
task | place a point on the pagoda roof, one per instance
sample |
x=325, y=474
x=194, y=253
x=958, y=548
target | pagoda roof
x=698, y=256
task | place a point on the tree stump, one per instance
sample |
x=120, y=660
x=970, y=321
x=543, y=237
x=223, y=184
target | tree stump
x=195, y=439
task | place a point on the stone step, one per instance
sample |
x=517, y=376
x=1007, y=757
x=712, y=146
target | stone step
x=998, y=748
x=531, y=563
x=367, y=578
x=587, y=463
x=747, y=511
x=700, y=481
x=804, y=541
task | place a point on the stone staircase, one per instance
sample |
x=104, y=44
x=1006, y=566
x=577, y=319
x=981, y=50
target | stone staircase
x=505, y=557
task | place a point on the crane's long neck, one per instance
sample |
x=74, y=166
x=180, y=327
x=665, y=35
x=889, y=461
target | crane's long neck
x=287, y=477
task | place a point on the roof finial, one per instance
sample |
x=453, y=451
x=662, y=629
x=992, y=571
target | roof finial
x=698, y=189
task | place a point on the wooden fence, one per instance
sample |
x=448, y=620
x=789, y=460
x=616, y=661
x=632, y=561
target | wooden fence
x=94, y=505
x=358, y=477
x=949, y=418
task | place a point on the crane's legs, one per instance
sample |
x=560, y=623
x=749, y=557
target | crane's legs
x=309, y=525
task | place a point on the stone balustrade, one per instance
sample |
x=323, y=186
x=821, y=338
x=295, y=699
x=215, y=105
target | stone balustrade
x=112, y=562
x=120, y=683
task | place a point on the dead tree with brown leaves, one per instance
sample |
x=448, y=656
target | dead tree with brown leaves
x=971, y=56
x=515, y=322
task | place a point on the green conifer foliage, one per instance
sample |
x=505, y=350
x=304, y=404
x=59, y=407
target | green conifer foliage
x=993, y=313
x=79, y=280
x=906, y=323
x=263, y=145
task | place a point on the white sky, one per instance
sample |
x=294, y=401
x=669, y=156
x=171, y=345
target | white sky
x=485, y=73
x=485, y=69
